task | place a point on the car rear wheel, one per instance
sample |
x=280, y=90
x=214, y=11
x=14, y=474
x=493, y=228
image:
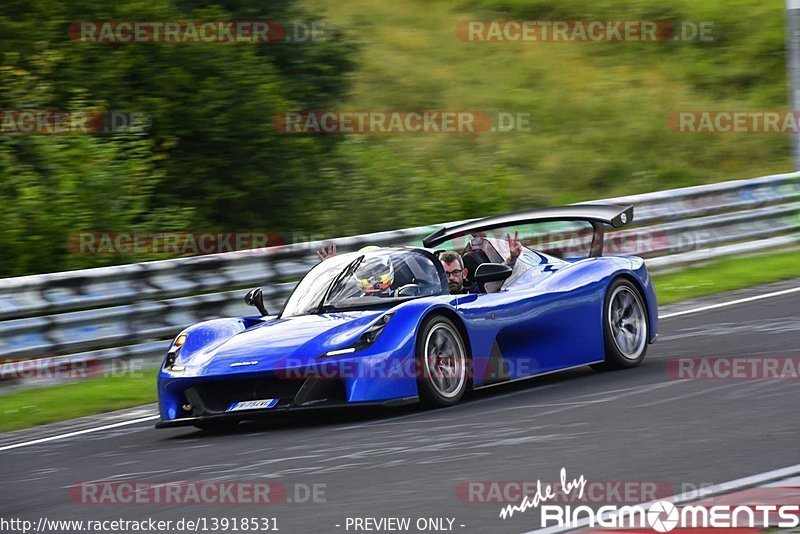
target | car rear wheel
x=625, y=326
x=442, y=363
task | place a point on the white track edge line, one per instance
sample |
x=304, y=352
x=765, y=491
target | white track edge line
x=731, y=303
x=77, y=433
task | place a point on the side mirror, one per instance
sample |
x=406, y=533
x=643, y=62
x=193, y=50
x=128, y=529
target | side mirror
x=490, y=272
x=255, y=298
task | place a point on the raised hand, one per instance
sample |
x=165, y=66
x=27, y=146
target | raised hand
x=514, y=246
x=325, y=253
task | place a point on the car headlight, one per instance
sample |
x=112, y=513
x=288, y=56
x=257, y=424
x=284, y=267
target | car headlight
x=366, y=339
x=172, y=354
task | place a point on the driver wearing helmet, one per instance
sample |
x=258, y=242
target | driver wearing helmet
x=379, y=278
x=451, y=261
x=375, y=276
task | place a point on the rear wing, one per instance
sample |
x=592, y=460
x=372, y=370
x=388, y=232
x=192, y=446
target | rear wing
x=598, y=215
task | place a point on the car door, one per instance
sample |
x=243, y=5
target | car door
x=535, y=326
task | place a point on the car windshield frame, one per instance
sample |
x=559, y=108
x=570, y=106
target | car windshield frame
x=316, y=292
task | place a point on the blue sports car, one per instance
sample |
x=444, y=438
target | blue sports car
x=379, y=326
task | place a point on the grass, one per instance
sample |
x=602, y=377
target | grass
x=43, y=405
x=727, y=275
x=599, y=110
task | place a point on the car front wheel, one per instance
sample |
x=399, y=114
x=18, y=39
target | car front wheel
x=441, y=362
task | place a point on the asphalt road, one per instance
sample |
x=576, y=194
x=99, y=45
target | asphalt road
x=642, y=424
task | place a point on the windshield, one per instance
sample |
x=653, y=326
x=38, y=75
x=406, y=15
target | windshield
x=360, y=280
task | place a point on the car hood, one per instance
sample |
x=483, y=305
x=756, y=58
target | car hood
x=278, y=343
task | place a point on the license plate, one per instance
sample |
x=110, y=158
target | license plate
x=252, y=405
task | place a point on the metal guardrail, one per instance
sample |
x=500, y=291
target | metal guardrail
x=127, y=311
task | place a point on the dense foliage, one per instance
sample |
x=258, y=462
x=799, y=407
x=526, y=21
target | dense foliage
x=209, y=159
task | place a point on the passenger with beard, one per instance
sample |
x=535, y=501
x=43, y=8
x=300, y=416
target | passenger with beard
x=454, y=270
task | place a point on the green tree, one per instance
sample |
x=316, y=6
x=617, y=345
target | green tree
x=209, y=157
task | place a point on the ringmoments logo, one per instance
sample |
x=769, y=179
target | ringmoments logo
x=659, y=516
